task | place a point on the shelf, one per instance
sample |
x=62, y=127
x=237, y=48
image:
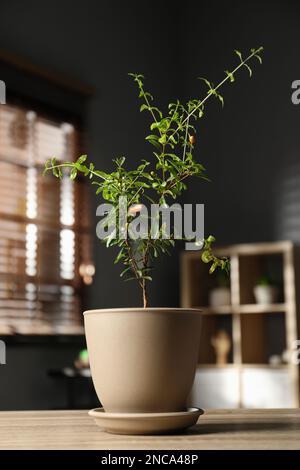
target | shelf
x=217, y=366
x=265, y=366
x=248, y=249
x=257, y=308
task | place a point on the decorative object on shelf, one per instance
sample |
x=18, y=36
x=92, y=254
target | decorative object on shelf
x=131, y=350
x=82, y=361
x=221, y=343
x=278, y=359
x=265, y=292
x=286, y=356
x=275, y=360
x=220, y=296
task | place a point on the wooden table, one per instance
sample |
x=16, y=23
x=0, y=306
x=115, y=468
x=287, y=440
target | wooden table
x=216, y=429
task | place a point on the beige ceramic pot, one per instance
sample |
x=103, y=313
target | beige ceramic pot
x=143, y=360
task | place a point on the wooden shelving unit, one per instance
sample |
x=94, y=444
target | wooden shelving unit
x=257, y=331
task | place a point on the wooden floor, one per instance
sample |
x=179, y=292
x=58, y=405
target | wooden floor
x=216, y=429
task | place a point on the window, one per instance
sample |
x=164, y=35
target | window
x=45, y=243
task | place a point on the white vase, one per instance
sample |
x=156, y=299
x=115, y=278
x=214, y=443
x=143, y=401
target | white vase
x=219, y=296
x=265, y=295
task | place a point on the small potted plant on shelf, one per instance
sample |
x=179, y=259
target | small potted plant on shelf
x=265, y=292
x=143, y=359
x=220, y=296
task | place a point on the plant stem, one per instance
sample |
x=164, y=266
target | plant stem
x=132, y=261
x=185, y=139
x=163, y=160
x=149, y=106
x=71, y=165
x=142, y=282
x=145, y=264
x=135, y=195
x=145, y=294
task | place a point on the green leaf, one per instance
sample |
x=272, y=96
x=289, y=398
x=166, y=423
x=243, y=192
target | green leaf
x=110, y=239
x=206, y=81
x=238, y=53
x=258, y=58
x=73, y=173
x=120, y=161
x=57, y=172
x=101, y=174
x=148, y=95
x=152, y=137
x=163, y=139
x=125, y=271
x=230, y=76
x=81, y=159
x=221, y=99
x=249, y=69
x=172, y=139
x=154, y=125
x=206, y=256
x=120, y=256
x=144, y=106
x=213, y=267
x=211, y=239
x=256, y=53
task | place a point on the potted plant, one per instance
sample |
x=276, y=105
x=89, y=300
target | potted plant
x=143, y=359
x=265, y=292
x=220, y=296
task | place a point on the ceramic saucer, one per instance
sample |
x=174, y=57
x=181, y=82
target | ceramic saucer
x=145, y=423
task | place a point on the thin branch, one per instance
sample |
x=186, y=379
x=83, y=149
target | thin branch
x=210, y=93
x=185, y=139
x=72, y=165
x=149, y=106
x=133, y=263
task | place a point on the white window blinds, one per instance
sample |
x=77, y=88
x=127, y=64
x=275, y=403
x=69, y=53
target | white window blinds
x=45, y=244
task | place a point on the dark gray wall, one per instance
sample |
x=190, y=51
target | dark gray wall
x=250, y=148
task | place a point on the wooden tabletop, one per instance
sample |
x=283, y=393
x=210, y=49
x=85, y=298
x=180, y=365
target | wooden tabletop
x=216, y=429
